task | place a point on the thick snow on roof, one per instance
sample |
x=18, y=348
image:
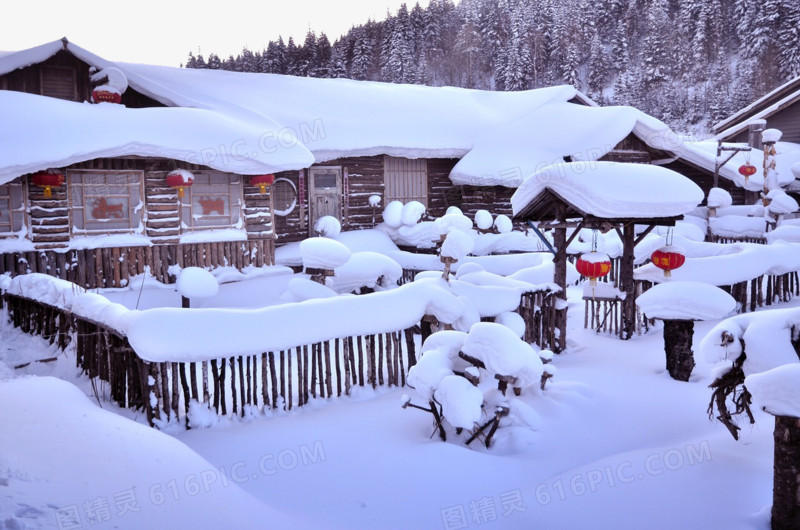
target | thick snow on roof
x=686, y=301
x=39, y=132
x=500, y=135
x=613, y=190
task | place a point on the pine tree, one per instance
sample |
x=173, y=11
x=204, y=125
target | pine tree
x=361, y=62
x=322, y=57
x=598, y=69
x=191, y=62
x=214, y=62
x=789, y=40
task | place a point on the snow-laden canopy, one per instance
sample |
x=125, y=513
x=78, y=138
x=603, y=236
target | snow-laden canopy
x=499, y=136
x=686, y=301
x=611, y=190
x=38, y=132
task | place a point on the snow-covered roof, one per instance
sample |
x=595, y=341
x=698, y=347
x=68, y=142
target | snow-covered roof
x=782, y=96
x=611, y=190
x=39, y=132
x=501, y=137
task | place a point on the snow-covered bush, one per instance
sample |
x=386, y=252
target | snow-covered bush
x=474, y=383
x=328, y=226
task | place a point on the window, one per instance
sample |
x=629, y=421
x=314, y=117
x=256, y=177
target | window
x=406, y=179
x=59, y=82
x=213, y=201
x=105, y=201
x=12, y=209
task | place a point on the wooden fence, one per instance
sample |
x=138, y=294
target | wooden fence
x=228, y=385
x=113, y=267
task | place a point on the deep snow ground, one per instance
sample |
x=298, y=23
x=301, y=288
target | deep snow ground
x=621, y=445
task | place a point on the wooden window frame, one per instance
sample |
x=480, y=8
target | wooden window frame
x=135, y=211
x=189, y=223
x=405, y=194
x=14, y=211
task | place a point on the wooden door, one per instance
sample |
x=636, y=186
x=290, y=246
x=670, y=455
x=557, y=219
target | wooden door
x=324, y=194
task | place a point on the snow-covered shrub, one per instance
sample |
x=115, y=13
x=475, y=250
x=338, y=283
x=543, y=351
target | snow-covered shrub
x=503, y=224
x=474, y=383
x=413, y=212
x=328, y=226
x=393, y=214
x=483, y=220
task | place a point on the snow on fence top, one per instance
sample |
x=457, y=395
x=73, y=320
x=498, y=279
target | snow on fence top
x=613, y=190
x=734, y=263
x=33, y=137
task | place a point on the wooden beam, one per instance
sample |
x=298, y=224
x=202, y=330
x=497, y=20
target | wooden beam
x=643, y=234
x=574, y=234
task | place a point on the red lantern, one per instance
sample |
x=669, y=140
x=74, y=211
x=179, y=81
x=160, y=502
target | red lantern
x=48, y=179
x=593, y=265
x=747, y=170
x=180, y=179
x=668, y=258
x=105, y=96
x=262, y=181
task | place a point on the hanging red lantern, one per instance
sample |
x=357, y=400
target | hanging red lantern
x=593, y=265
x=668, y=259
x=99, y=95
x=262, y=181
x=747, y=170
x=180, y=179
x=48, y=179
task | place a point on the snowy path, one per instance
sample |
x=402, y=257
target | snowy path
x=621, y=446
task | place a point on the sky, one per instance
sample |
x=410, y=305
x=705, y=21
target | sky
x=163, y=32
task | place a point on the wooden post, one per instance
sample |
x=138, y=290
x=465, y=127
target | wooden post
x=560, y=274
x=678, y=347
x=626, y=282
x=786, y=478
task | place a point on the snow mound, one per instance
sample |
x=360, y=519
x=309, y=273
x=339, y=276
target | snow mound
x=328, y=226
x=196, y=282
x=512, y=321
x=303, y=289
x=457, y=245
x=483, y=219
x=686, y=300
x=323, y=253
x=786, y=233
x=503, y=224
x=461, y=401
x=719, y=198
x=502, y=351
x=366, y=269
x=412, y=213
x=780, y=202
x=393, y=214
x=777, y=391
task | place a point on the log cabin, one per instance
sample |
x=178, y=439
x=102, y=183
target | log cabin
x=335, y=147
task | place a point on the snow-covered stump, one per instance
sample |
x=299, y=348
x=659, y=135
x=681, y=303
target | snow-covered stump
x=777, y=392
x=321, y=256
x=679, y=304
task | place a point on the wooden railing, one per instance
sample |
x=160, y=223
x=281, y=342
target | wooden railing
x=113, y=267
x=238, y=385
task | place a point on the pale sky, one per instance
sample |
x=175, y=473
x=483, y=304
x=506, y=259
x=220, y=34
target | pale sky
x=164, y=31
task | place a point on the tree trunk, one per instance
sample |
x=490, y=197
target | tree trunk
x=560, y=276
x=678, y=345
x=627, y=285
x=786, y=480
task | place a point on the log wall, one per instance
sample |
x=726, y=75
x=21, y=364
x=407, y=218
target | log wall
x=113, y=267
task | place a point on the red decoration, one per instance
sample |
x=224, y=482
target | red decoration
x=48, y=179
x=593, y=265
x=102, y=209
x=106, y=96
x=262, y=181
x=180, y=179
x=747, y=170
x=668, y=259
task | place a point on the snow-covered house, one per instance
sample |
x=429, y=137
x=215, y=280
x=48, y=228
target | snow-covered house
x=332, y=144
